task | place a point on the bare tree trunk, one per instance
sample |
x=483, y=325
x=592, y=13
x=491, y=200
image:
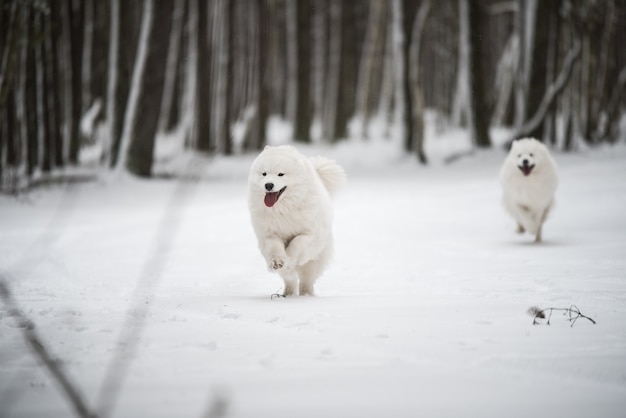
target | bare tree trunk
x=74, y=51
x=45, y=158
x=65, y=60
x=203, y=108
x=54, y=153
x=333, y=72
x=387, y=87
x=402, y=100
x=508, y=67
x=9, y=56
x=141, y=148
x=230, y=33
x=262, y=87
x=370, y=57
x=112, y=80
x=87, y=56
x=413, y=91
x=612, y=112
x=173, y=55
x=471, y=44
x=461, y=104
x=136, y=84
x=350, y=40
x=550, y=121
x=189, y=111
x=537, y=58
x=223, y=86
x=302, y=126
x=292, y=61
x=319, y=53
x=24, y=170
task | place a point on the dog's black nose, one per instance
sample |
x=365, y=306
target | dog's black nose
x=269, y=186
x=525, y=161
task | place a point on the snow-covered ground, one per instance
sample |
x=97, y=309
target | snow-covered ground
x=423, y=312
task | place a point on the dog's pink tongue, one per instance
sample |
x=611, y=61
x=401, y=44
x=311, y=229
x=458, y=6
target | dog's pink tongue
x=271, y=199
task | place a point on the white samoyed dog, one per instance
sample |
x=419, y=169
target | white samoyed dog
x=289, y=197
x=529, y=180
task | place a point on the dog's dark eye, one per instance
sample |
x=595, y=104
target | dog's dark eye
x=264, y=174
x=531, y=155
x=518, y=156
x=281, y=174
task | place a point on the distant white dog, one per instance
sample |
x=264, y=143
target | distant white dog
x=289, y=198
x=529, y=180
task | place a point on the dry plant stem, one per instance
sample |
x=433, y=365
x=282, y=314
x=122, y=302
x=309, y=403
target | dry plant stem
x=572, y=313
x=41, y=352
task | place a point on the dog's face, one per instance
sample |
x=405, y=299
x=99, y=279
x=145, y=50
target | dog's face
x=527, y=154
x=274, y=173
x=526, y=162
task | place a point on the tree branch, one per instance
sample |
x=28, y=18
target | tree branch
x=552, y=92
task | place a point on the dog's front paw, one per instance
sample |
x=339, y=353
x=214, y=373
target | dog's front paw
x=276, y=263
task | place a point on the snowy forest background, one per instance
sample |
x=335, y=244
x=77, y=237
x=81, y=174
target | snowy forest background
x=135, y=295
x=104, y=79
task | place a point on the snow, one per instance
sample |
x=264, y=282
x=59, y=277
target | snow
x=423, y=312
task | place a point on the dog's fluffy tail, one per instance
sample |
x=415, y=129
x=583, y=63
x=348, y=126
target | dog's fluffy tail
x=331, y=173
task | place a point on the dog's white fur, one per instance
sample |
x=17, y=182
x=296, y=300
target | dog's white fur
x=295, y=234
x=529, y=198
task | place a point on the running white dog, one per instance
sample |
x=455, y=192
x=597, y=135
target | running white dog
x=289, y=198
x=529, y=180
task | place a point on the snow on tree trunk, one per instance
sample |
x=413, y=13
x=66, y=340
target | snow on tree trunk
x=505, y=80
x=387, y=88
x=74, y=11
x=64, y=45
x=222, y=82
x=536, y=57
x=400, y=99
x=370, y=56
x=292, y=61
x=135, y=91
x=87, y=56
x=460, y=105
x=191, y=77
x=41, y=108
x=525, y=25
x=141, y=150
x=111, y=113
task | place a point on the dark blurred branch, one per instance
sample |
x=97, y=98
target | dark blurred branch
x=143, y=294
x=41, y=352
